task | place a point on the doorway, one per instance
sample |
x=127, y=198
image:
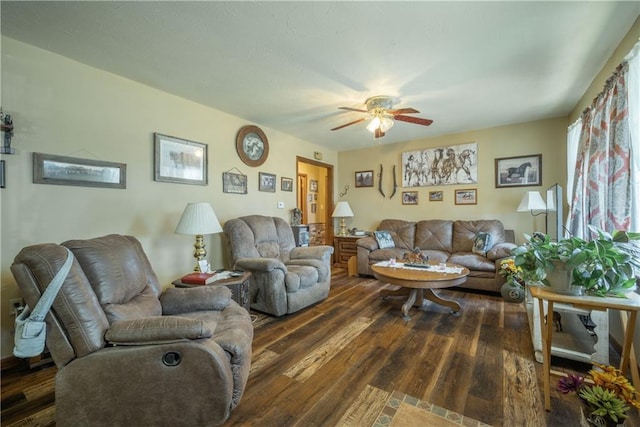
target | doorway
x=315, y=199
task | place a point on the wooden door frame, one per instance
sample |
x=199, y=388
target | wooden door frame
x=328, y=194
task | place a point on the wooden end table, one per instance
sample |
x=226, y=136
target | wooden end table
x=628, y=308
x=239, y=287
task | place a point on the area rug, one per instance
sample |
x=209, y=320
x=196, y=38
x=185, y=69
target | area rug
x=402, y=410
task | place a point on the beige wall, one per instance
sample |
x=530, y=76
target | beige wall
x=546, y=137
x=63, y=107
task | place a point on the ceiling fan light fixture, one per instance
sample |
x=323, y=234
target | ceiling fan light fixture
x=385, y=124
x=373, y=124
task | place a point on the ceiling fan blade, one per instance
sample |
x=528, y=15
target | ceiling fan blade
x=416, y=120
x=350, y=123
x=378, y=133
x=352, y=109
x=403, y=111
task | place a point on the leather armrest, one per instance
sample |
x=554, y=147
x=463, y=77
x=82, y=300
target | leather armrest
x=501, y=250
x=259, y=264
x=188, y=300
x=156, y=330
x=369, y=243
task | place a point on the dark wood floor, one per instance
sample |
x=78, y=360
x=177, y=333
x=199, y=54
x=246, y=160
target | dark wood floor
x=311, y=368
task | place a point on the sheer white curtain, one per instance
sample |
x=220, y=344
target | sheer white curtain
x=633, y=83
x=573, y=141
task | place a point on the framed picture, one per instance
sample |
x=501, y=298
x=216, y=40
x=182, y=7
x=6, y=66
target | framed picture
x=286, y=184
x=409, y=197
x=63, y=170
x=364, y=179
x=436, y=196
x=448, y=165
x=315, y=197
x=267, y=182
x=313, y=185
x=252, y=145
x=467, y=196
x=313, y=208
x=235, y=183
x=2, y=174
x=522, y=171
x=179, y=160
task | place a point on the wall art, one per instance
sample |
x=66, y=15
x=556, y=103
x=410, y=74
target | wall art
x=436, y=196
x=64, y=170
x=286, y=184
x=364, y=179
x=409, y=197
x=2, y=174
x=252, y=145
x=235, y=183
x=521, y=171
x=179, y=160
x=466, y=196
x=455, y=164
x=267, y=182
x=313, y=185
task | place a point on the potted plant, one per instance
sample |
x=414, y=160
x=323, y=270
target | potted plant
x=605, y=394
x=600, y=266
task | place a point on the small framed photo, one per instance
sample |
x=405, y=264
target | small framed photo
x=267, y=182
x=313, y=185
x=64, y=170
x=364, y=179
x=521, y=171
x=409, y=197
x=179, y=160
x=235, y=183
x=313, y=208
x=286, y=184
x=2, y=174
x=436, y=196
x=467, y=196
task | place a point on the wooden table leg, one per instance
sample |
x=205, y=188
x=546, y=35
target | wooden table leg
x=431, y=296
x=545, y=332
x=407, y=305
x=402, y=292
x=627, y=358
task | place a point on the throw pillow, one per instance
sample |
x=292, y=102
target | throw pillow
x=384, y=239
x=481, y=243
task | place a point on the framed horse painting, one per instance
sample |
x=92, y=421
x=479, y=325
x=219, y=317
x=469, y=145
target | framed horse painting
x=450, y=165
x=521, y=171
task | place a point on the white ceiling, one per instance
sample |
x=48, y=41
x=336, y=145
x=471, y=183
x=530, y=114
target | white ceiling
x=290, y=65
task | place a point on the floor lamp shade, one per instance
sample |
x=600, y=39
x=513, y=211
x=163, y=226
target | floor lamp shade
x=532, y=201
x=198, y=219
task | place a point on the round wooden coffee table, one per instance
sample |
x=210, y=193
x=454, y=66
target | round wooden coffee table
x=418, y=283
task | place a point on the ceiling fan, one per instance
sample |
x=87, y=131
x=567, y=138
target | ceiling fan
x=379, y=110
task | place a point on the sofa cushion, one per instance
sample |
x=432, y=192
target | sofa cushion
x=387, y=254
x=464, y=232
x=482, y=243
x=434, y=234
x=384, y=239
x=403, y=232
x=438, y=256
x=472, y=261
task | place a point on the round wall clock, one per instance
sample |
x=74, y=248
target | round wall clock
x=252, y=145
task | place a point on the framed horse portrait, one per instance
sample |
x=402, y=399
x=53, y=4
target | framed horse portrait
x=450, y=165
x=521, y=171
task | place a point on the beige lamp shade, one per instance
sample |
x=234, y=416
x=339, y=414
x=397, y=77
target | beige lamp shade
x=342, y=210
x=198, y=218
x=532, y=201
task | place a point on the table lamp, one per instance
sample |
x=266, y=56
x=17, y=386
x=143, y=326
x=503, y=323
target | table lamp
x=532, y=201
x=198, y=219
x=342, y=211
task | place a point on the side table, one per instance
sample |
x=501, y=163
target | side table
x=628, y=308
x=239, y=288
x=344, y=248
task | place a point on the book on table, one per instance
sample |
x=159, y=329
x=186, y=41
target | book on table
x=199, y=278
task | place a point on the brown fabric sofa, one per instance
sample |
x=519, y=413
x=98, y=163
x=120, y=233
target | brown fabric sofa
x=443, y=241
x=129, y=354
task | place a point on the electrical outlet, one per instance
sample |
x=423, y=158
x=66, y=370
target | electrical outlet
x=16, y=305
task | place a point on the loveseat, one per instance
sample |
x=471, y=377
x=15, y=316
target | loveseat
x=444, y=241
x=129, y=353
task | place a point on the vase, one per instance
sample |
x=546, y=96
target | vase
x=560, y=280
x=512, y=291
x=595, y=420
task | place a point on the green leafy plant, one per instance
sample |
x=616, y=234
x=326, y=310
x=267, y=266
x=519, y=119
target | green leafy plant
x=603, y=265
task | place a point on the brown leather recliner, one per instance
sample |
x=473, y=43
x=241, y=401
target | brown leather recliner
x=129, y=354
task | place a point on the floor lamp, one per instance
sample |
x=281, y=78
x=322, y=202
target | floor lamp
x=532, y=201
